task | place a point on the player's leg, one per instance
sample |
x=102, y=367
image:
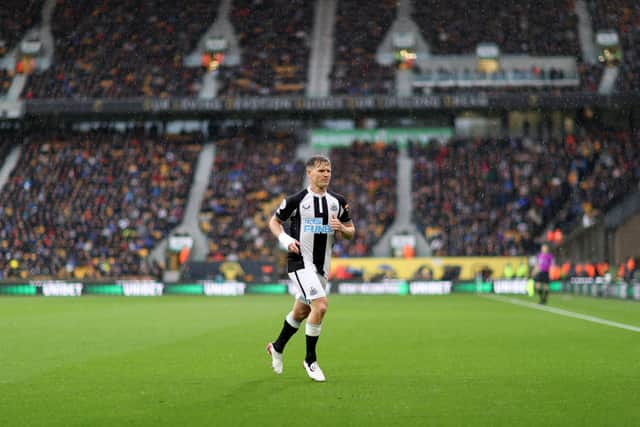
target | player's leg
x=292, y=321
x=312, y=331
x=539, y=290
x=291, y=324
x=314, y=326
x=319, y=305
x=300, y=310
x=312, y=289
x=545, y=294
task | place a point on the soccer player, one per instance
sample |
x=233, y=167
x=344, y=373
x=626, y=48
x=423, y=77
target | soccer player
x=316, y=216
x=544, y=261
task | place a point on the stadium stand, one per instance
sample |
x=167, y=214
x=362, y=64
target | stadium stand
x=92, y=205
x=274, y=38
x=254, y=169
x=546, y=27
x=355, y=70
x=103, y=50
x=495, y=197
x=607, y=171
x=366, y=174
x=487, y=196
x=123, y=48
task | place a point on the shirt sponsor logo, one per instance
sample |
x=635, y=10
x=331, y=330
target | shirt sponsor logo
x=315, y=226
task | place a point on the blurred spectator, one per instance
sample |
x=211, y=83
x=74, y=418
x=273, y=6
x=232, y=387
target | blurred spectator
x=6, y=77
x=523, y=270
x=630, y=268
x=508, y=271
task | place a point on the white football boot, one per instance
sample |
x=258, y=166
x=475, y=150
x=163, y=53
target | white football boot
x=276, y=359
x=314, y=371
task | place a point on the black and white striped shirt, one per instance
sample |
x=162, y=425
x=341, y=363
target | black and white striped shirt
x=309, y=214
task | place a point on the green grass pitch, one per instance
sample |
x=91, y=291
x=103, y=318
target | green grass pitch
x=459, y=360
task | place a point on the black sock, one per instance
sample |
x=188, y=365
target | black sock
x=545, y=295
x=285, y=334
x=311, y=349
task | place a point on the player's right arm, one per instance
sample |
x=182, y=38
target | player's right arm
x=292, y=245
x=284, y=211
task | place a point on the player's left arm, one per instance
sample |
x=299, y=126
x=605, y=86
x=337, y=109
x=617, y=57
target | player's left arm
x=341, y=223
x=343, y=229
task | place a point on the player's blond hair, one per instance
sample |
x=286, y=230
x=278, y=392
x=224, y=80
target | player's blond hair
x=317, y=160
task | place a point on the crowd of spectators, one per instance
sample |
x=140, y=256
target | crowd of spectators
x=546, y=27
x=123, y=48
x=496, y=196
x=359, y=30
x=609, y=164
x=254, y=169
x=93, y=204
x=275, y=40
x=135, y=48
x=366, y=174
x=16, y=17
x=487, y=196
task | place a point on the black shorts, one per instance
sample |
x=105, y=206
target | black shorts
x=542, y=277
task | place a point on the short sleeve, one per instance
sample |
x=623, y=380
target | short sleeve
x=286, y=209
x=345, y=211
